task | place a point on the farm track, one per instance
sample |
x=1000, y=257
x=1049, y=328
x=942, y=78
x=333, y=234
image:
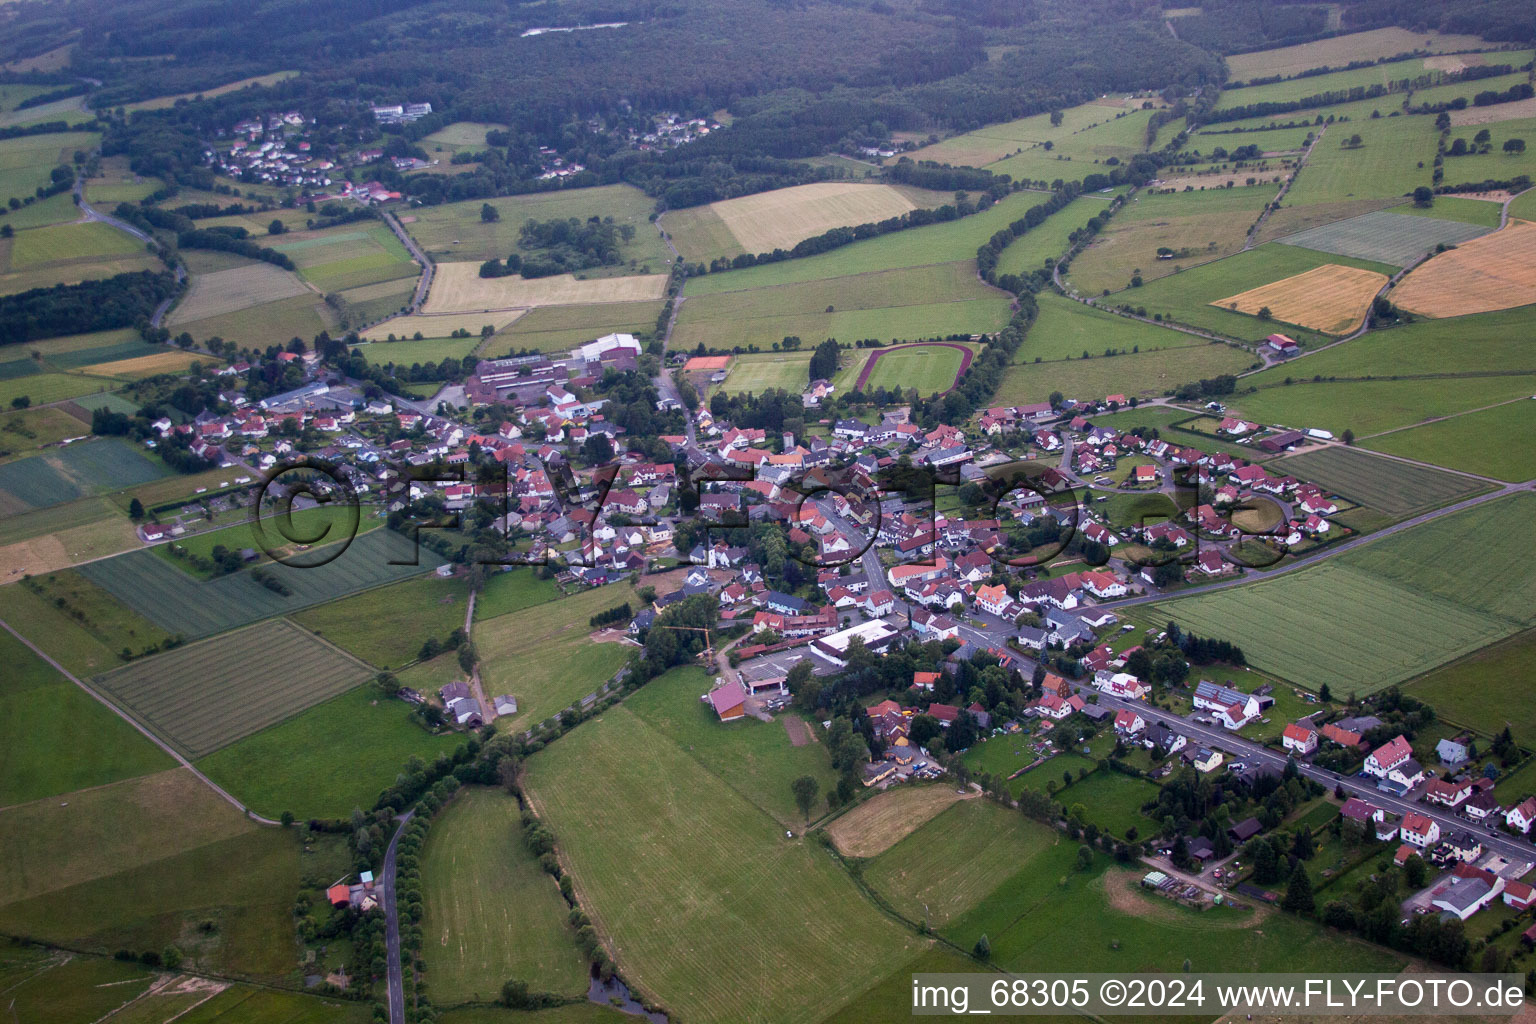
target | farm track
x=205, y=780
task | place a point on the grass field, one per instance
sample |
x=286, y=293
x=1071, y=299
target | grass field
x=1386, y=163
x=349, y=256
x=1111, y=801
x=1188, y=297
x=756, y=759
x=207, y=695
x=681, y=875
x=1145, y=374
x=953, y=862
x=1048, y=240
x=454, y=231
x=908, y=303
x=303, y=316
x=1370, y=406
x=357, y=742
x=1164, y=419
x=1331, y=298
x=73, y=989
x=229, y=291
x=780, y=218
x=1496, y=271
x=512, y=590
x=1383, y=613
x=1339, y=50
x=931, y=369
x=386, y=626
x=459, y=288
x=42, y=388
x=62, y=596
x=284, y=533
x=69, y=242
x=541, y=655
x=949, y=242
x=558, y=328
x=1197, y=226
x=1483, y=213
x=23, y=430
x=164, y=102
x=243, y=1004
x=995, y=141
x=1121, y=135
x=42, y=715
x=406, y=353
x=1477, y=442
x=1487, y=690
x=460, y=135
x=438, y=326
x=181, y=604
x=885, y=819
x=367, y=303
x=491, y=911
x=1395, y=488
x=1389, y=236
x=1065, y=330
x=64, y=474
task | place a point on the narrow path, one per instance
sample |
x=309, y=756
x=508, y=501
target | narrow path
x=423, y=285
x=205, y=780
x=1285, y=186
x=395, y=982
x=1438, y=419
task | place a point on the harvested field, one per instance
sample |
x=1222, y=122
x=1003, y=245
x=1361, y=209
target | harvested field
x=164, y=361
x=207, y=695
x=1395, y=488
x=439, y=325
x=1331, y=298
x=229, y=291
x=1386, y=237
x=777, y=220
x=1513, y=111
x=65, y=547
x=1340, y=50
x=1496, y=271
x=458, y=287
x=884, y=820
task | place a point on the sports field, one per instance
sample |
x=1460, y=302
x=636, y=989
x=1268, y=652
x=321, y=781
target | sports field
x=207, y=695
x=1387, y=236
x=1484, y=442
x=761, y=371
x=1396, y=488
x=1145, y=374
x=681, y=875
x=459, y=288
x=356, y=742
x=930, y=368
x=491, y=911
x=541, y=655
x=780, y=218
x=1496, y=271
x=229, y=291
x=1333, y=299
x=1371, y=406
x=64, y=474
x=1337, y=51
x=1196, y=226
x=182, y=604
x=387, y=626
x=1383, y=613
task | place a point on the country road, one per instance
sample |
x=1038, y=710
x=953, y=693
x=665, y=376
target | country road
x=205, y=780
x=90, y=213
x=396, y=983
x=424, y=284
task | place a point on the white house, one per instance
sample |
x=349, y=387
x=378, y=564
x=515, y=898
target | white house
x=1419, y=830
x=1299, y=739
x=1388, y=756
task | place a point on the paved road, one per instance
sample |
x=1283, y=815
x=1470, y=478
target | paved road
x=392, y=927
x=90, y=213
x=205, y=780
x=424, y=285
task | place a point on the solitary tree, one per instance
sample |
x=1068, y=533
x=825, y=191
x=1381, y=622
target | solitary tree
x=1514, y=147
x=805, y=789
x=1349, y=438
x=135, y=509
x=489, y=214
x=1298, y=895
x=1423, y=197
x=984, y=948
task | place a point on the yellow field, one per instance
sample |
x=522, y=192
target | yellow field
x=1514, y=111
x=881, y=822
x=778, y=219
x=162, y=102
x=60, y=550
x=440, y=325
x=1340, y=50
x=170, y=361
x=459, y=288
x=1496, y=271
x=1331, y=298
x=229, y=291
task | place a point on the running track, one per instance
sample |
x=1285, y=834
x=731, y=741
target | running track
x=965, y=361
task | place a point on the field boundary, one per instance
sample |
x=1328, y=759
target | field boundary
x=965, y=361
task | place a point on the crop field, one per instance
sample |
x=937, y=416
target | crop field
x=1387, y=236
x=1486, y=690
x=1496, y=271
x=301, y=316
x=459, y=288
x=42, y=714
x=887, y=818
x=357, y=742
x=930, y=368
x=1331, y=298
x=407, y=353
x=1378, y=615
x=1385, y=164
x=210, y=694
x=165, y=102
x=1482, y=442
x=1340, y=50
x=387, y=626
x=347, y=257
x=542, y=656
x=139, y=367
x=1189, y=297
x=760, y=371
x=64, y=474
x=953, y=862
x=778, y=219
x=229, y=291
x=1065, y=330
x=672, y=866
x=1370, y=406
x=1197, y=226
x=438, y=326
x=753, y=758
x=491, y=912
x=558, y=328
x=182, y=604
x=1145, y=374
x=1396, y=488
x=910, y=303
x=454, y=231
x=949, y=242
x=1121, y=135
x=69, y=242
